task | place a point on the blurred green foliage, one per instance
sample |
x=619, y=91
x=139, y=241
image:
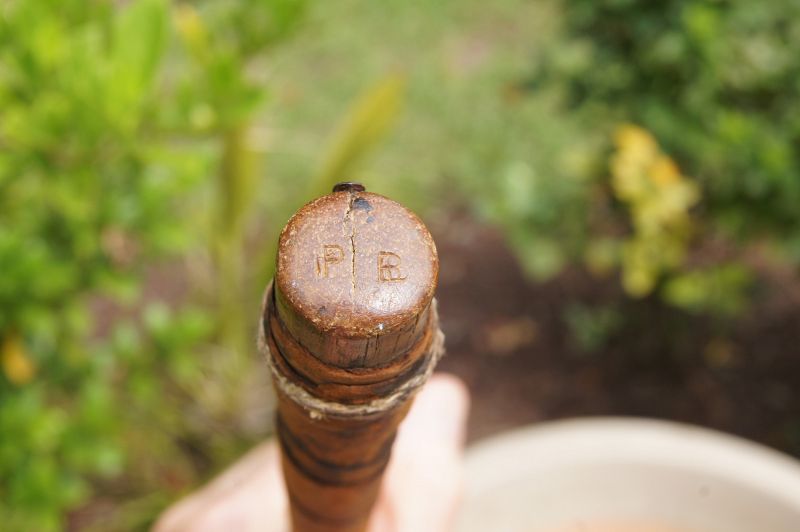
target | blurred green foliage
x=83, y=196
x=111, y=116
x=718, y=86
x=717, y=82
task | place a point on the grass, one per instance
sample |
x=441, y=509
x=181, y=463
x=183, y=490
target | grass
x=460, y=60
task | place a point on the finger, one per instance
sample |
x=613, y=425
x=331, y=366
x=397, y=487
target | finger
x=422, y=484
x=249, y=496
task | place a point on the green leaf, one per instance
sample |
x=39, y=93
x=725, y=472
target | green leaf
x=718, y=289
x=366, y=123
x=137, y=48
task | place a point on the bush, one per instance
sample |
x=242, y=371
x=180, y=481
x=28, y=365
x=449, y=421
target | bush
x=110, y=121
x=717, y=82
x=717, y=85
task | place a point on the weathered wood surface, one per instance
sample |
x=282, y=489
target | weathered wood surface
x=352, y=332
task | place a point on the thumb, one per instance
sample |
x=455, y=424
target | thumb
x=423, y=481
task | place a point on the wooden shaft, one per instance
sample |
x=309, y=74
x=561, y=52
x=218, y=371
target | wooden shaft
x=351, y=332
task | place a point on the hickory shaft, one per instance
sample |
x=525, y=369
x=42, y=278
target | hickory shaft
x=350, y=331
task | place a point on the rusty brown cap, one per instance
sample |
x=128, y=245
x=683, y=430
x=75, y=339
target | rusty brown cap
x=356, y=273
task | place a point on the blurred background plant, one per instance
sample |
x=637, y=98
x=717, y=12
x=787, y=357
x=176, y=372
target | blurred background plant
x=114, y=117
x=716, y=83
x=151, y=150
x=85, y=195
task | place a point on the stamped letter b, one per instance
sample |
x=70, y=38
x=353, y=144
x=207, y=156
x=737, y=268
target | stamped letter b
x=389, y=267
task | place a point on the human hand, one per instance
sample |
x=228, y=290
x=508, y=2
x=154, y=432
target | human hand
x=420, y=489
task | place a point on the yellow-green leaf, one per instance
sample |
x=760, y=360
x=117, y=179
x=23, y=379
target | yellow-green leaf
x=368, y=120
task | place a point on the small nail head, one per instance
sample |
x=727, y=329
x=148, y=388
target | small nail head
x=349, y=186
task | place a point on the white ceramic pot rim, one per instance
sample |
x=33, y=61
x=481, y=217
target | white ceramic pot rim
x=548, y=451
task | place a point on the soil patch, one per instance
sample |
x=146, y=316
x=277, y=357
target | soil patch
x=509, y=340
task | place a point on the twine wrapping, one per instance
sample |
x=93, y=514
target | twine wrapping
x=318, y=408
